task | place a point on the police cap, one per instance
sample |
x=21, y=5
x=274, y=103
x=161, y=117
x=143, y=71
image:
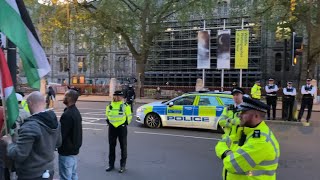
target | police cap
x=251, y=104
x=289, y=82
x=271, y=79
x=257, y=81
x=237, y=90
x=308, y=79
x=118, y=93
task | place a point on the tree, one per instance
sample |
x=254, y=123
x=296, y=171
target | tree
x=137, y=22
x=302, y=16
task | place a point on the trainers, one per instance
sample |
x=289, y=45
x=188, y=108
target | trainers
x=110, y=168
x=122, y=170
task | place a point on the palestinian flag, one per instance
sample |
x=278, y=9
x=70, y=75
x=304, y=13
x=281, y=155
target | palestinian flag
x=7, y=89
x=16, y=24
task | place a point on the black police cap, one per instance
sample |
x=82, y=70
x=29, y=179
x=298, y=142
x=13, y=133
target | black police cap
x=118, y=93
x=237, y=90
x=251, y=104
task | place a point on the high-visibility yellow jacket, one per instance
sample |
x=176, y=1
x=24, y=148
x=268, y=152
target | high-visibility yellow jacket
x=256, y=159
x=256, y=92
x=230, y=121
x=118, y=113
x=24, y=105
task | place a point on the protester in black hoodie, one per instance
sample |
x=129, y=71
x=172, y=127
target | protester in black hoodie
x=71, y=130
x=38, y=137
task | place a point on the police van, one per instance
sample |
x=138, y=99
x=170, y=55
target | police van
x=191, y=110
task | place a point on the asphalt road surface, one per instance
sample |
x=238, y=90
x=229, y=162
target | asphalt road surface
x=188, y=154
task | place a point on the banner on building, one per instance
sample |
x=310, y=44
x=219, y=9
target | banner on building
x=203, y=56
x=242, y=49
x=223, y=50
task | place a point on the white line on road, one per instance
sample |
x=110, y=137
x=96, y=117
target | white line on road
x=93, y=129
x=177, y=135
x=89, y=123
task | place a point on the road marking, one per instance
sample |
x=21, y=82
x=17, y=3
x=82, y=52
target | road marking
x=89, y=123
x=93, y=129
x=94, y=114
x=87, y=118
x=177, y=135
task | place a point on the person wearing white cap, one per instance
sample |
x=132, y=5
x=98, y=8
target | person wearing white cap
x=23, y=114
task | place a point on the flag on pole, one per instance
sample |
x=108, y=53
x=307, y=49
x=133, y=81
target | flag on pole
x=16, y=24
x=8, y=93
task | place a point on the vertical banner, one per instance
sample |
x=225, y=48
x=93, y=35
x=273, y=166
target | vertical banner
x=203, y=56
x=242, y=49
x=223, y=51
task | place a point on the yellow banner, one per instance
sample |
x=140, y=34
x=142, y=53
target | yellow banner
x=242, y=49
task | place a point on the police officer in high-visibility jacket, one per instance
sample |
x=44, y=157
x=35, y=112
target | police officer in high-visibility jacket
x=24, y=103
x=119, y=115
x=229, y=119
x=256, y=91
x=258, y=152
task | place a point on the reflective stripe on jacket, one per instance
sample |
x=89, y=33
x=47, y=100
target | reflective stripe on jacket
x=118, y=113
x=256, y=159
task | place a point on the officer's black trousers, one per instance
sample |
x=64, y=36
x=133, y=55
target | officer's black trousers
x=120, y=132
x=306, y=102
x=288, y=103
x=272, y=103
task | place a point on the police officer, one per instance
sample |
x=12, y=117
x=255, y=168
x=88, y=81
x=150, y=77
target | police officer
x=130, y=95
x=230, y=121
x=271, y=90
x=256, y=91
x=257, y=154
x=24, y=102
x=289, y=94
x=118, y=117
x=308, y=91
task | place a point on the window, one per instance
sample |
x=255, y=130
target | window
x=227, y=101
x=208, y=101
x=63, y=64
x=278, y=62
x=187, y=100
x=82, y=65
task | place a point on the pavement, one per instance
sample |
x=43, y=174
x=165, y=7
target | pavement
x=93, y=98
x=180, y=153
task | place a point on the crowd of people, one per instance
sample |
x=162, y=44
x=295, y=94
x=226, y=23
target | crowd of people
x=308, y=92
x=37, y=134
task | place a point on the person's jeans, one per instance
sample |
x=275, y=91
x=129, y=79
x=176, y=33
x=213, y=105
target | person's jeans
x=68, y=167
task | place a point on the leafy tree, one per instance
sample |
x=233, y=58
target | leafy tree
x=135, y=22
x=301, y=16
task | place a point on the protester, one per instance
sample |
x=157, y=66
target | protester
x=38, y=137
x=71, y=130
x=51, y=97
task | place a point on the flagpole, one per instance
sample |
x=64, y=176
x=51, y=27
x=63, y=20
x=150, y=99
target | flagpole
x=4, y=108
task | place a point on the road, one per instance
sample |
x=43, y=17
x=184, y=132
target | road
x=177, y=153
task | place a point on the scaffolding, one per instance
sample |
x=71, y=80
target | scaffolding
x=173, y=57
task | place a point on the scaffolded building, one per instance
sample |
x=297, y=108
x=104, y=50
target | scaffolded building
x=173, y=59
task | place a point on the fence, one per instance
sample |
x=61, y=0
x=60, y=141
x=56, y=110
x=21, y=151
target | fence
x=167, y=92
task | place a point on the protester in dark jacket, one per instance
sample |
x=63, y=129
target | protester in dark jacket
x=71, y=130
x=38, y=137
x=51, y=97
